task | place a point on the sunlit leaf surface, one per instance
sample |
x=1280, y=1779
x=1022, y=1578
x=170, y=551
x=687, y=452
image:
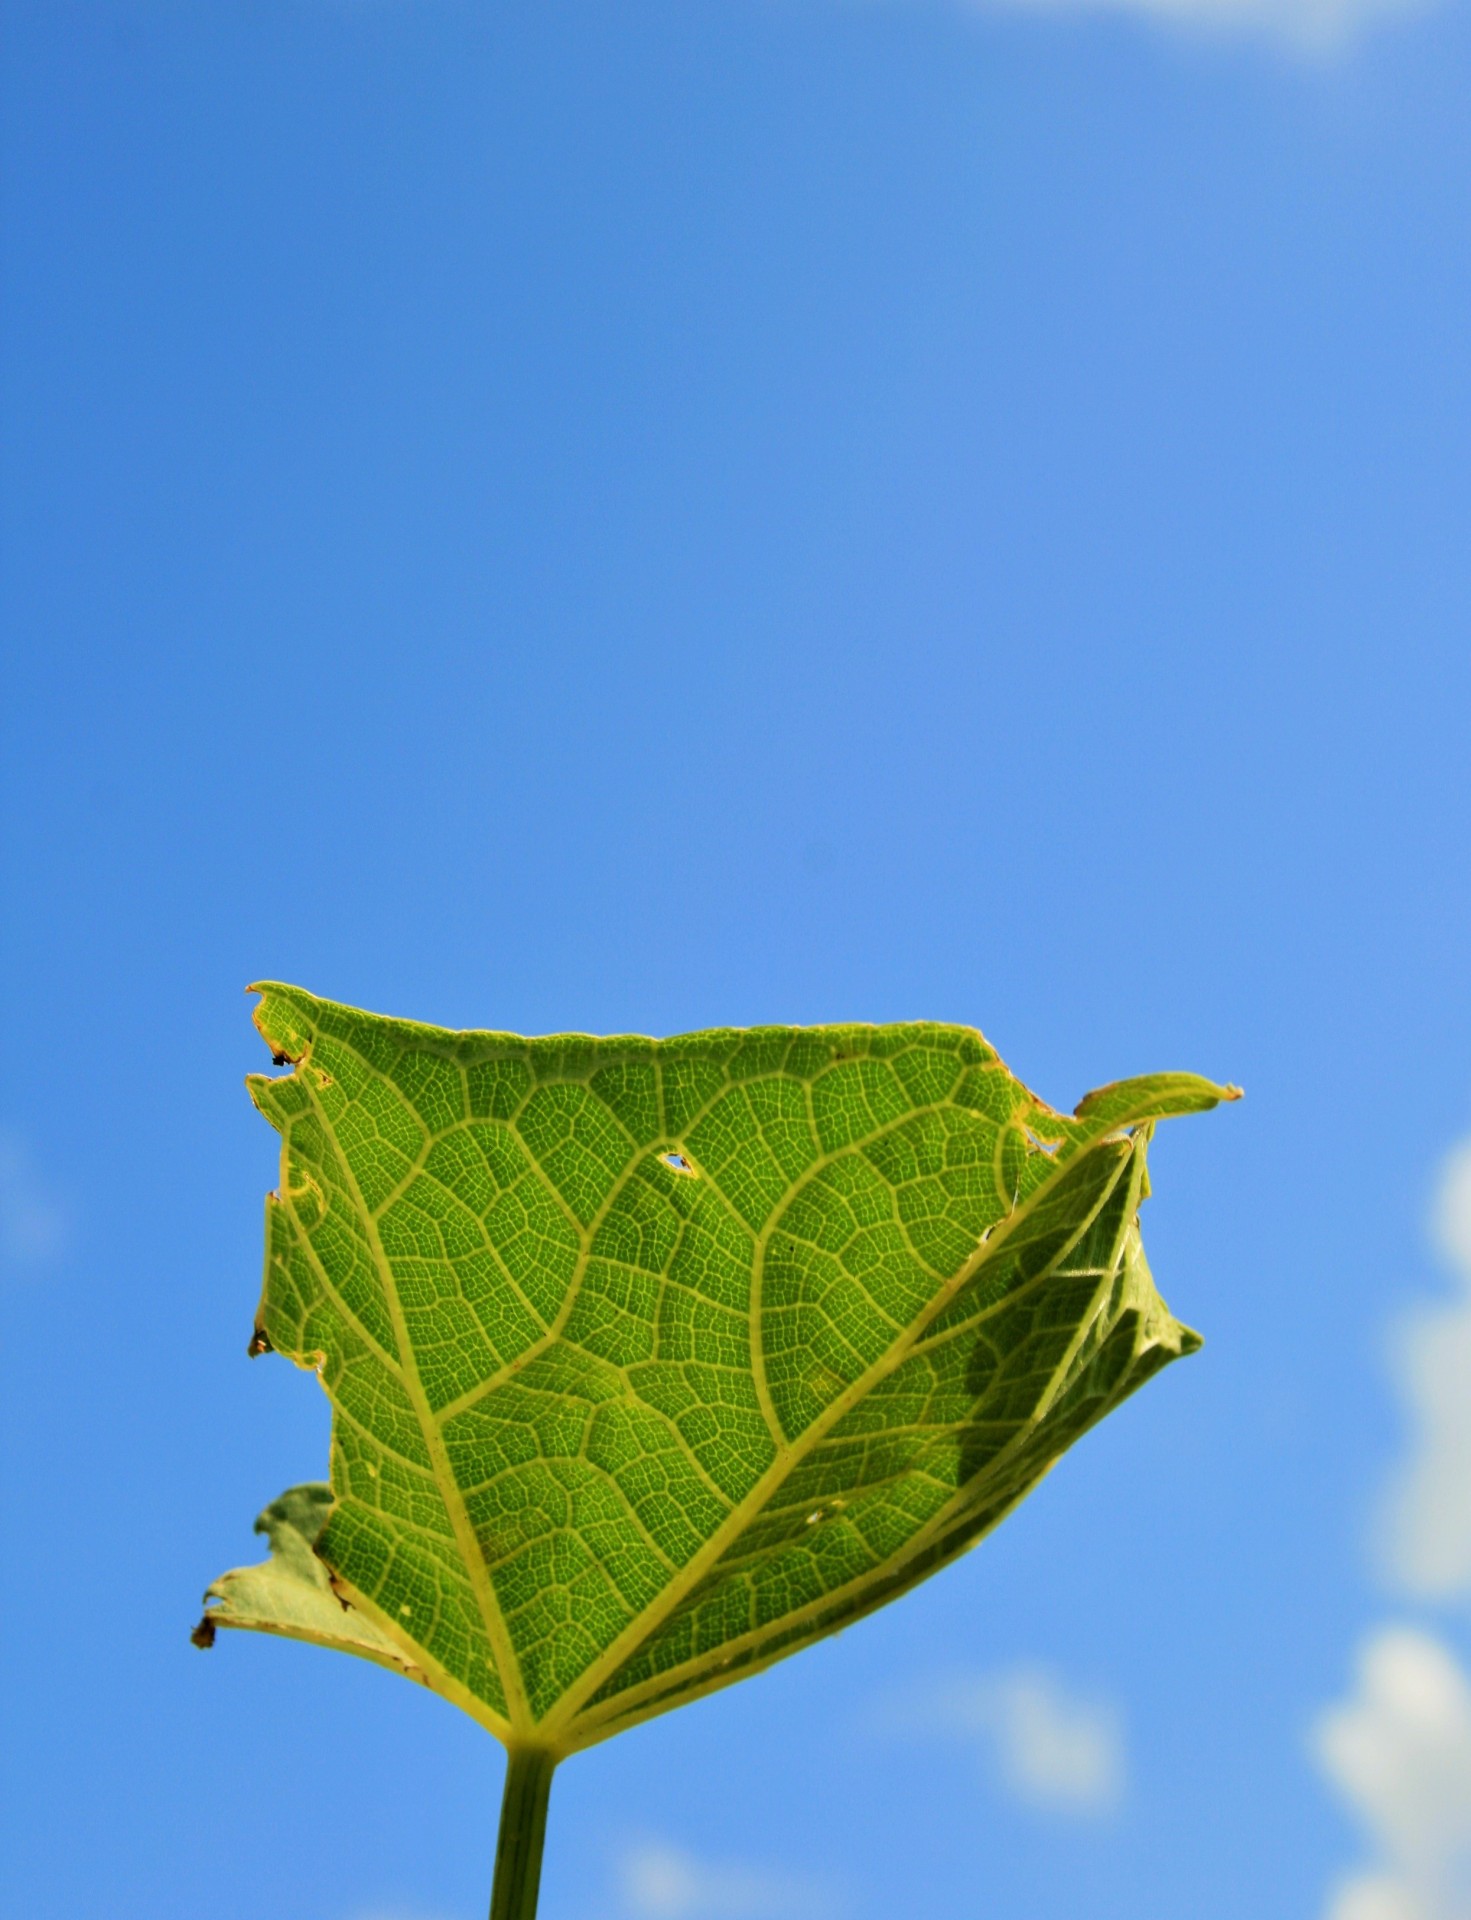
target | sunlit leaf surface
x=654, y=1360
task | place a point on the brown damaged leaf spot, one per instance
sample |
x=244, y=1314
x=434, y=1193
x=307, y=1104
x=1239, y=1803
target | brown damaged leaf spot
x=260, y=1342
x=204, y=1634
x=287, y=1049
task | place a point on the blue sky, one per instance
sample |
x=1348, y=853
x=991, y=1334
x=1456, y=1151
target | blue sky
x=644, y=516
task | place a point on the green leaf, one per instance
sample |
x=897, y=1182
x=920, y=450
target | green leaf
x=653, y=1361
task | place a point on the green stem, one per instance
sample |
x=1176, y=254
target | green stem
x=523, y=1829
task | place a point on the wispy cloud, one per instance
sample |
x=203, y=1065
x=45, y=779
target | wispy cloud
x=1037, y=1739
x=1314, y=26
x=396, y=1913
x=1425, y=1526
x=33, y=1224
x=661, y=1882
x=1399, y=1752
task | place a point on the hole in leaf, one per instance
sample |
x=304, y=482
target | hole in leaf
x=677, y=1161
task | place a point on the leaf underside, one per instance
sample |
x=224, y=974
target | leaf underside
x=652, y=1361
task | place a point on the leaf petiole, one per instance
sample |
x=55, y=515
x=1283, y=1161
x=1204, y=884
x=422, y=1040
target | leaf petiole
x=522, y=1833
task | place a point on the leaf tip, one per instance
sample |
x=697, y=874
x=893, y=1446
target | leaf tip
x=1152, y=1096
x=277, y=1019
x=203, y=1635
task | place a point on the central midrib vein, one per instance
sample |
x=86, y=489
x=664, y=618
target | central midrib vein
x=625, y=1708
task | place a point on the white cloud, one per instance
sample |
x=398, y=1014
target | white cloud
x=1322, y=26
x=1425, y=1527
x=1037, y=1740
x=33, y=1227
x=1399, y=1752
x=660, y=1882
x=1453, y=1209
